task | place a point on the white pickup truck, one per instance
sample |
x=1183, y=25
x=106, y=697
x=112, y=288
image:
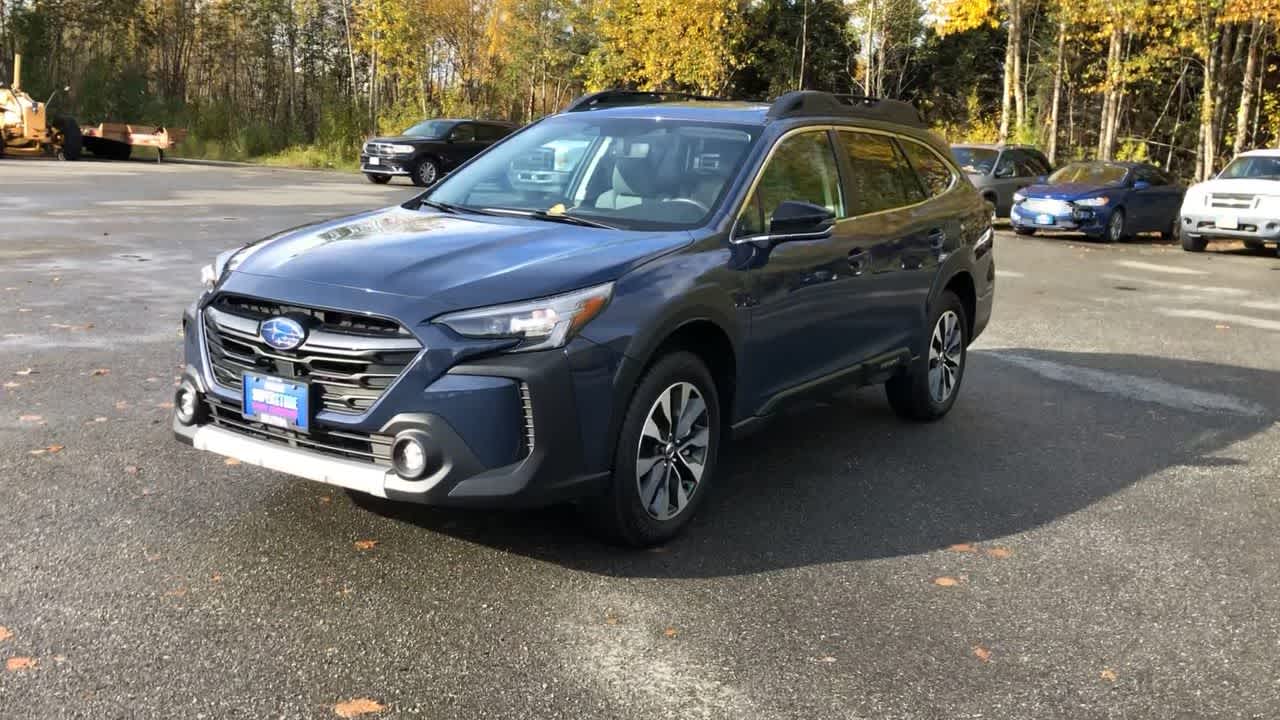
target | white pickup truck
x=1241, y=203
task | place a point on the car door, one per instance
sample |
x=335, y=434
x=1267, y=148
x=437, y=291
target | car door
x=894, y=240
x=1148, y=200
x=1168, y=199
x=462, y=145
x=1005, y=180
x=794, y=288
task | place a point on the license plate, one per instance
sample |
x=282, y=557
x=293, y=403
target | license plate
x=375, y=161
x=273, y=401
x=1228, y=222
x=1044, y=219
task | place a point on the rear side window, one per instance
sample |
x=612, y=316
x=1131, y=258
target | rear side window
x=934, y=174
x=803, y=167
x=880, y=177
x=465, y=132
x=490, y=132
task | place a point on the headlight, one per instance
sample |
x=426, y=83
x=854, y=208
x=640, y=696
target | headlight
x=400, y=149
x=1018, y=197
x=1092, y=202
x=225, y=262
x=538, y=324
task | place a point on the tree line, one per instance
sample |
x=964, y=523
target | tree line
x=1182, y=83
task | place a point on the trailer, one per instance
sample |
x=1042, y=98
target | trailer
x=116, y=141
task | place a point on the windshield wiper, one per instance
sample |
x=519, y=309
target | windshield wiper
x=551, y=217
x=454, y=209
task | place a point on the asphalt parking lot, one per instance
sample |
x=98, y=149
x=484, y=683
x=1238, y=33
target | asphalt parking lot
x=1092, y=532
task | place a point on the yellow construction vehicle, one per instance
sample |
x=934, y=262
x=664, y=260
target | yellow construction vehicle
x=25, y=126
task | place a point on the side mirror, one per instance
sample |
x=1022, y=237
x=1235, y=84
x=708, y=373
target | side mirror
x=797, y=220
x=1141, y=184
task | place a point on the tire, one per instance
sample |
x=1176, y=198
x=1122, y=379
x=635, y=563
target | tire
x=1255, y=245
x=1171, y=233
x=1194, y=243
x=620, y=515
x=426, y=173
x=1025, y=231
x=72, y=142
x=921, y=394
x=1115, y=227
x=377, y=178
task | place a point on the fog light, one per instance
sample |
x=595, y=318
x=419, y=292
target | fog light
x=412, y=455
x=186, y=403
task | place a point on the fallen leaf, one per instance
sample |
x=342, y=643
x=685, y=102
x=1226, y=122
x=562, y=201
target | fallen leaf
x=11, y=385
x=1108, y=674
x=165, y=405
x=29, y=418
x=963, y=547
x=999, y=553
x=14, y=664
x=54, y=448
x=231, y=461
x=99, y=419
x=131, y=469
x=357, y=707
x=216, y=577
x=27, y=371
x=326, y=499
x=24, y=309
x=671, y=632
x=982, y=653
x=826, y=659
x=5, y=633
x=366, y=544
x=945, y=581
x=99, y=372
x=1222, y=327
x=611, y=620
x=177, y=592
x=122, y=404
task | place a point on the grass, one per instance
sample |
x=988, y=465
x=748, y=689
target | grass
x=297, y=156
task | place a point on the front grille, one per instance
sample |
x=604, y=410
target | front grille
x=363, y=447
x=373, y=148
x=1045, y=205
x=1235, y=201
x=348, y=369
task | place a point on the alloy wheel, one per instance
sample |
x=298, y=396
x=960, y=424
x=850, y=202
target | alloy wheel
x=946, y=353
x=673, y=451
x=1115, y=229
x=427, y=172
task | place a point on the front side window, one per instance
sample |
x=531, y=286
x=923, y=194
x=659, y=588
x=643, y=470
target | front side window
x=632, y=173
x=803, y=167
x=434, y=129
x=880, y=177
x=934, y=174
x=975, y=161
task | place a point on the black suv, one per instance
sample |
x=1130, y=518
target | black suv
x=690, y=269
x=428, y=150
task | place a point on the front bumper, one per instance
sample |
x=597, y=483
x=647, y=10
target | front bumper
x=385, y=165
x=505, y=429
x=1075, y=219
x=1249, y=226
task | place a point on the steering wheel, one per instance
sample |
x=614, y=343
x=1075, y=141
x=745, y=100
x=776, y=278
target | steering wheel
x=689, y=201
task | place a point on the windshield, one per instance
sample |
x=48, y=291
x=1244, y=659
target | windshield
x=647, y=173
x=430, y=129
x=975, y=161
x=1252, y=166
x=1090, y=174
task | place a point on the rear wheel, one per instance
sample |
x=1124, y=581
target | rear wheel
x=1255, y=245
x=377, y=178
x=666, y=456
x=928, y=389
x=69, y=141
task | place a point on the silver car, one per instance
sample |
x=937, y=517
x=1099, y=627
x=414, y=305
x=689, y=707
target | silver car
x=999, y=171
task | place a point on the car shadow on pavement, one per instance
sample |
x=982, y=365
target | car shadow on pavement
x=1035, y=436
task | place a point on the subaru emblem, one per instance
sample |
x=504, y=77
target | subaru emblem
x=282, y=333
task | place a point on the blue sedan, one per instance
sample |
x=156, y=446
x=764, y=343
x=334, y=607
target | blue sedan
x=1107, y=201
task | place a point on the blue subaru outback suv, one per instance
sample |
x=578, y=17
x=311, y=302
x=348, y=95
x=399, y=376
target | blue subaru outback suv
x=692, y=267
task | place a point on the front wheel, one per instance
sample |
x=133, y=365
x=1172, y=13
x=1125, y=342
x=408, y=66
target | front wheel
x=69, y=141
x=1115, y=227
x=666, y=456
x=1194, y=243
x=928, y=389
x=1255, y=245
x=377, y=178
x=426, y=173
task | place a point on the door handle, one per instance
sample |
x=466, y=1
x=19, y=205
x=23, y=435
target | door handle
x=858, y=259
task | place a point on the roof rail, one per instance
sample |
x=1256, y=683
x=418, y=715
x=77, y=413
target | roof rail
x=802, y=103
x=618, y=97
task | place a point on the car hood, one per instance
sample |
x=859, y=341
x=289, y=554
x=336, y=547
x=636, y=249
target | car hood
x=1068, y=191
x=1239, y=186
x=459, y=261
x=408, y=139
